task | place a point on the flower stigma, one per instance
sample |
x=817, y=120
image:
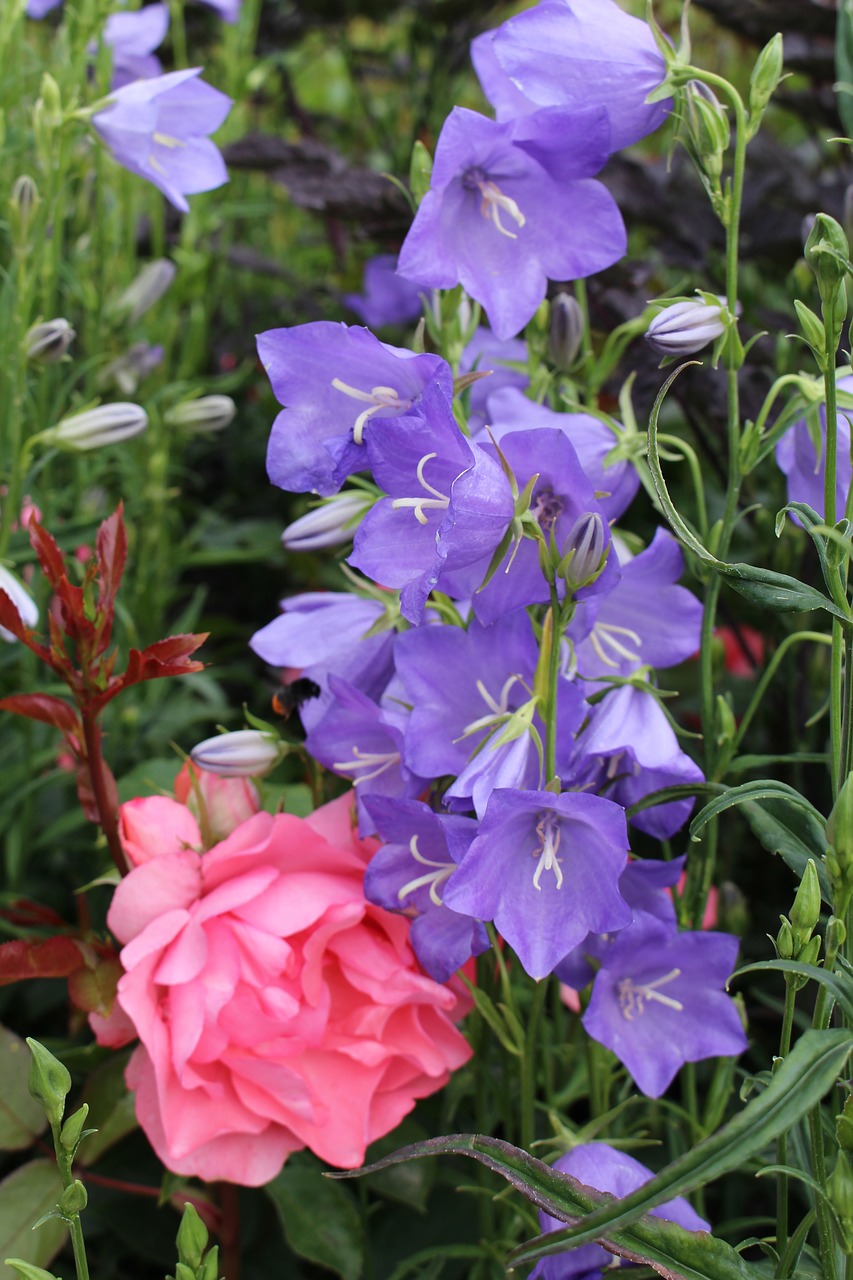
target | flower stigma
x=433, y=878
x=494, y=201
x=378, y=398
x=549, y=832
x=632, y=997
x=438, y=501
x=376, y=762
x=606, y=634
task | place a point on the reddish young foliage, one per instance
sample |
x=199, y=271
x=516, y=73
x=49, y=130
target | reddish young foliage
x=44, y=707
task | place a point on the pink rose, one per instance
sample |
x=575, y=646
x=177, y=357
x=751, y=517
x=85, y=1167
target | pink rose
x=276, y=1008
x=219, y=804
x=205, y=811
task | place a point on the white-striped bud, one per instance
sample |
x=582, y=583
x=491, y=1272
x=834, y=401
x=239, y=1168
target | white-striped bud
x=21, y=599
x=329, y=525
x=206, y=414
x=49, y=341
x=248, y=753
x=584, y=552
x=685, y=327
x=95, y=428
x=146, y=289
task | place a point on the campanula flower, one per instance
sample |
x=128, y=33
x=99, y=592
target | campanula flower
x=133, y=37
x=159, y=130
x=800, y=454
x=387, y=298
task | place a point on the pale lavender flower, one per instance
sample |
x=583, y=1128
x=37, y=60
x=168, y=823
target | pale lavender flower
x=659, y=1000
x=387, y=297
x=546, y=870
x=40, y=8
x=133, y=37
x=605, y=1169
x=506, y=365
x=158, y=129
x=801, y=455
x=512, y=204
x=575, y=53
x=228, y=10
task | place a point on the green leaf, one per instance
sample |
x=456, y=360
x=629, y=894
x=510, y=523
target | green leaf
x=839, y=985
x=27, y=1271
x=408, y=1184
x=776, y=591
x=844, y=63
x=111, y=1108
x=22, y=1118
x=792, y=832
x=750, y=791
x=670, y=1250
x=25, y=1196
x=319, y=1219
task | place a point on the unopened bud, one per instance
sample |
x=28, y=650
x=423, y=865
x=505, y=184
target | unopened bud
x=765, y=78
x=785, y=940
x=206, y=414
x=709, y=128
x=51, y=99
x=192, y=1238
x=23, y=203
x=49, y=1083
x=69, y=1136
x=805, y=912
x=844, y=1125
x=127, y=371
x=146, y=289
x=73, y=1199
x=565, y=332
x=585, y=551
x=329, y=525
x=827, y=253
x=21, y=599
x=96, y=428
x=685, y=327
x=48, y=342
x=839, y=828
x=248, y=753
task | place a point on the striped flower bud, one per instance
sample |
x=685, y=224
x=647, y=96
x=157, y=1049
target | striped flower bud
x=329, y=525
x=95, y=428
x=585, y=550
x=248, y=753
x=565, y=331
x=49, y=341
x=206, y=414
x=685, y=327
x=146, y=289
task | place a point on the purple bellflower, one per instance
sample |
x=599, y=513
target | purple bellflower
x=506, y=363
x=228, y=10
x=604, y=1168
x=323, y=634
x=659, y=1000
x=41, y=8
x=408, y=873
x=512, y=204
x=546, y=870
x=800, y=454
x=448, y=506
x=615, y=482
x=646, y=620
x=338, y=384
x=575, y=53
x=158, y=129
x=133, y=37
x=387, y=297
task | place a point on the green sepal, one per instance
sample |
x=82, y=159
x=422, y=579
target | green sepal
x=192, y=1237
x=420, y=171
x=49, y=1082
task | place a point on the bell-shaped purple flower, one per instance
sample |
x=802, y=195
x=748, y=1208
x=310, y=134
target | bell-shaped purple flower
x=800, y=454
x=512, y=204
x=159, y=130
x=604, y=1168
x=659, y=1000
x=575, y=53
x=386, y=298
x=546, y=870
x=338, y=385
x=506, y=364
x=133, y=37
x=408, y=873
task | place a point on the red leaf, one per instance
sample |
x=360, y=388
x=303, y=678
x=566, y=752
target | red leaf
x=27, y=914
x=53, y=958
x=86, y=792
x=112, y=554
x=50, y=557
x=168, y=657
x=46, y=708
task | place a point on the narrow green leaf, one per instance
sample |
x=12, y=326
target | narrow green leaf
x=776, y=591
x=839, y=985
x=319, y=1219
x=25, y=1196
x=844, y=63
x=754, y=791
x=790, y=831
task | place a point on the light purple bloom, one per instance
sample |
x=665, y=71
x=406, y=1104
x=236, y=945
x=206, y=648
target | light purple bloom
x=508, y=410
x=158, y=129
x=133, y=38
x=323, y=634
x=228, y=10
x=449, y=505
x=408, y=874
x=512, y=204
x=338, y=385
x=40, y=8
x=659, y=1001
x=604, y=1168
x=506, y=363
x=546, y=870
x=575, y=53
x=804, y=463
x=387, y=297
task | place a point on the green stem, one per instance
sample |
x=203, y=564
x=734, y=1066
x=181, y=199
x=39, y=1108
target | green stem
x=81, y=1264
x=527, y=1064
x=782, y=1141
x=826, y=1240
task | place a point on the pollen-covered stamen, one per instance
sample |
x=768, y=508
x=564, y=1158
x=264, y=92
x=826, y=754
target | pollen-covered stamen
x=378, y=398
x=419, y=506
x=494, y=201
x=549, y=833
x=499, y=709
x=606, y=634
x=375, y=762
x=633, y=996
x=433, y=878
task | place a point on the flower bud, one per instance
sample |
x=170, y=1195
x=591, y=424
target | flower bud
x=839, y=833
x=206, y=414
x=765, y=78
x=49, y=1083
x=73, y=1199
x=685, y=327
x=710, y=131
x=192, y=1238
x=785, y=940
x=805, y=912
x=565, y=332
x=248, y=753
x=127, y=371
x=23, y=203
x=585, y=551
x=844, y=1125
x=827, y=252
x=108, y=424
x=69, y=1136
x=49, y=341
x=328, y=525
x=21, y=599
x=147, y=289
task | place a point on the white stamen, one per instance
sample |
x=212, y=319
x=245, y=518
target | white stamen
x=499, y=710
x=606, y=633
x=632, y=997
x=378, y=398
x=494, y=201
x=438, y=501
x=376, y=762
x=549, y=832
x=432, y=878
x=166, y=140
